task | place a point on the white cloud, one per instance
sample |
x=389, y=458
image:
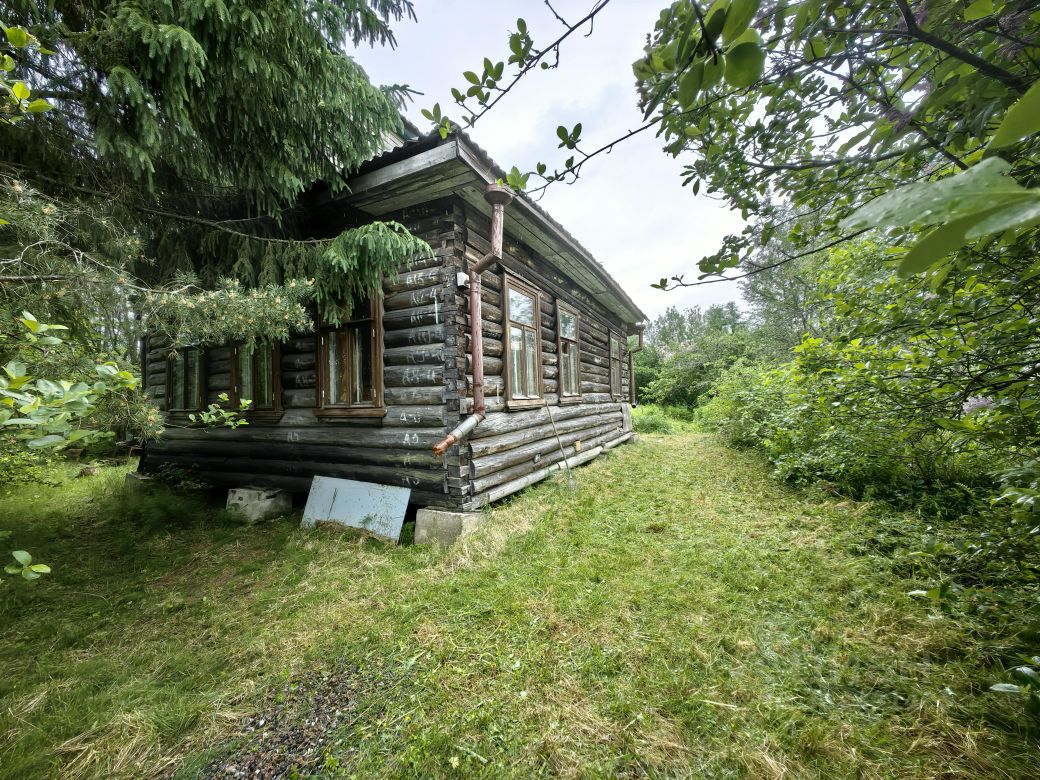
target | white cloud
x=628, y=208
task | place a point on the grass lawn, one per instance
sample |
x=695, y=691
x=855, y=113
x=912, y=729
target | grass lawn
x=676, y=614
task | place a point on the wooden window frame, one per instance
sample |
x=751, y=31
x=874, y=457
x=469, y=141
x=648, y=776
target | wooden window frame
x=378, y=407
x=182, y=354
x=510, y=282
x=273, y=413
x=561, y=308
x=611, y=338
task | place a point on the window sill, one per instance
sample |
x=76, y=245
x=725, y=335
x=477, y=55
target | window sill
x=524, y=403
x=570, y=399
x=263, y=416
x=333, y=414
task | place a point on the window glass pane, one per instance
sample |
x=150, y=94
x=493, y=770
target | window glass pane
x=521, y=307
x=362, y=391
x=245, y=376
x=176, y=400
x=193, y=370
x=338, y=356
x=532, y=359
x=569, y=369
x=615, y=348
x=264, y=377
x=516, y=360
x=568, y=325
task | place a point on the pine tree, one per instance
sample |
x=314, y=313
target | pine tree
x=175, y=161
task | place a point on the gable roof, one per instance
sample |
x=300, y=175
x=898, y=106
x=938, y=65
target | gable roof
x=429, y=167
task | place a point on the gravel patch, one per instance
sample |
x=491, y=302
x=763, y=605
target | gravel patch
x=289, y=737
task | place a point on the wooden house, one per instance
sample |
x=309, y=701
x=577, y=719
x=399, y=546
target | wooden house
x=394, y=396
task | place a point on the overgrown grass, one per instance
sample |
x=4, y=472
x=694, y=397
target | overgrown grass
x=676, y=614
x=653, y=418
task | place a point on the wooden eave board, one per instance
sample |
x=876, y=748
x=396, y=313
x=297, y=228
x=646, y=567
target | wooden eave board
x=450, y=168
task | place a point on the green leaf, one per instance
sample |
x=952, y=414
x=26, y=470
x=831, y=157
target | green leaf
x=22, y=557
x=978, y=10
x=937, y=244
x=1006, y=688
x=979, y=188
x=690, y=85
x=738, y=17
x=714, y=67
x=17, y=37
x=38, y=106
x=20, y=91
x=815, y=48
x=471, y=77
x=1021, y=120
x=46, y=441
x=744, y=64
x=41, y=568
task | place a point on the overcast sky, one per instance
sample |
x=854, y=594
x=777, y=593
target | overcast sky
x=628, y=208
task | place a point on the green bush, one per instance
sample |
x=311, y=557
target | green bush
x=649, y=418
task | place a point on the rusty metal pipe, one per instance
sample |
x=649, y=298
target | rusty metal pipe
x=499, y=197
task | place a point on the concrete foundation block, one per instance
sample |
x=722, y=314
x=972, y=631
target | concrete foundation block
x=136, y=482
x=255, y=505
x=439, y=526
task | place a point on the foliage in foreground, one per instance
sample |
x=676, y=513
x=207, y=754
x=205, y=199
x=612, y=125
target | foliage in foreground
x=677, y=614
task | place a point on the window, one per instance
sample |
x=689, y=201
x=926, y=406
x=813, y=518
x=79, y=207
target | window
x=523, y=344
x=350, y=364
x=615, y=366
x=185, y=387
x=570, y=372
x=255, y=376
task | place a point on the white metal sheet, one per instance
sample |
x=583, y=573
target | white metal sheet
x=378, y=509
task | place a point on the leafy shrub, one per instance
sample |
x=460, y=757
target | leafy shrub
x=19, y=465
x=648, y=418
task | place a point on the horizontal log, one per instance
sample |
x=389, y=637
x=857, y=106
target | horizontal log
x=516, y=485
x=412, y=298
x=327, y=433
x=415, y=316
x=492, y=365
x=416, y=416
x=299, y=361
x=481, y=467
x=306, y=343
x=497, y=424
x=413, y=376
x=413, y=396
x=384, y=475
x=415, y=337
x=413, y=280
x=492, y=346
x=298, y=380
x=299, y=399
x=590, y=449
x=302, y=451
x=481, y=448
x=416, y=356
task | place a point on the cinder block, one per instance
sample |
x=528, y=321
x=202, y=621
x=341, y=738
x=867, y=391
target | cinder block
x=439, y=526
x=258, y=504
x=136, y=482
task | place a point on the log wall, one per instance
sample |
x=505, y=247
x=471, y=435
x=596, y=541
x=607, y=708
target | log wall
x=420, y=383
x=513, y=448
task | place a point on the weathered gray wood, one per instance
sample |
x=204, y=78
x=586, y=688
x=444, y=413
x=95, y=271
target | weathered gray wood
x=414, y=317
x=413, y=376
x=324, y=453
x=527, y=452
x=411, y=396
x=496, y=424
x=414, y=337
x=339, y=432
x=533, y=433
x=414, y=356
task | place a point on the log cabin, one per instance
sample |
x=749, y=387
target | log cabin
x=413, y=391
